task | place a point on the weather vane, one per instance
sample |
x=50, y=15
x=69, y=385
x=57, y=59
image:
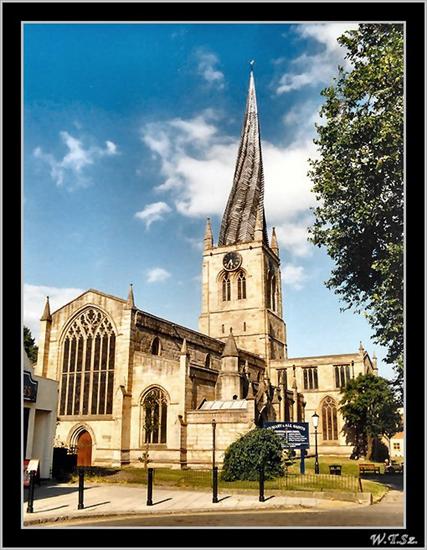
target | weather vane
x=252, y=63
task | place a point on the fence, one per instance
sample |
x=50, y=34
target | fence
x=318, y=482
x=202, y=479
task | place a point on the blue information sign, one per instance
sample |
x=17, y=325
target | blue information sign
x=295, y=434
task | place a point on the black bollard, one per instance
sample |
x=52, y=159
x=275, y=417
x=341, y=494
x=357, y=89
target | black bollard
x=215, y=484
x=261, y=484
x=150, y=487
x=81, y=488
x=30, y=506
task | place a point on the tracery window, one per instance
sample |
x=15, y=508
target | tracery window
x=241, y=286
x=226, y=288
x=88, y=353
x=329, y=419
x=311, y=381
x=154, y=416
x=342, y=375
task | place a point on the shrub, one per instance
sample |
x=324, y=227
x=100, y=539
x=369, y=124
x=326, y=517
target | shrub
x=243, y=458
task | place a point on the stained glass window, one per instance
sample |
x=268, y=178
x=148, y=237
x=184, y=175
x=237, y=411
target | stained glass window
x=154, y=416
x=329, y=419
x=88, y=349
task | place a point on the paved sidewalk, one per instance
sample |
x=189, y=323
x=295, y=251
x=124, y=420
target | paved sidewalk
x=58, y=502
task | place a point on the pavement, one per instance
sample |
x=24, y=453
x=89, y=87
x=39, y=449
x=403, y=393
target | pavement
x=56, y=502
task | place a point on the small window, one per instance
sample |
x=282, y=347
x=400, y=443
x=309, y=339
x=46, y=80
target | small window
x=244, y=326
x=208, y=361
x=396, y=446
x=223, y=328
x=156, y=348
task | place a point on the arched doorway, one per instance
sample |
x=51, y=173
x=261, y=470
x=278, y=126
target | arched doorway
x=84, y=449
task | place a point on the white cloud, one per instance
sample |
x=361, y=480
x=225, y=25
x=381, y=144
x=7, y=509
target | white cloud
x=207, y=68
x=157, y=275
x=294, y=276
x=35, y=299
x=70, y=170
x=197, y=163
x=319, y=68
x=293, y=235
x=195, y=242
x=153, y=212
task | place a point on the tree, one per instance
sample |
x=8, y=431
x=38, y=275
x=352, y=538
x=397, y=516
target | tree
x=30, y=345
x=370, y=410
x=244, y=457
x=358, y=181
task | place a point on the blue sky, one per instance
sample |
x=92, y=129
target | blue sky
x=130, y=139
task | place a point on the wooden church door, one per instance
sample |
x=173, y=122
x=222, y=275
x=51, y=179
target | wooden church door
x=84, y=449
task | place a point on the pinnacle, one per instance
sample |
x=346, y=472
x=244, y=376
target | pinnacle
x=274, y=244
x=208, y=239
x=130, y=304
x=46, y=312
x=230, y=349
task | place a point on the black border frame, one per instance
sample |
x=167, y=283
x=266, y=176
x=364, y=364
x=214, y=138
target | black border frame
x=13, y=13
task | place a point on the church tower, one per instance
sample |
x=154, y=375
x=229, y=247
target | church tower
x=241, y=282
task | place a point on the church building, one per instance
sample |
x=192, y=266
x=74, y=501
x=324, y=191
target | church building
x=131, y=383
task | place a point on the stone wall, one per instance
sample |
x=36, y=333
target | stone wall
x=359, y=363
x=230, y=425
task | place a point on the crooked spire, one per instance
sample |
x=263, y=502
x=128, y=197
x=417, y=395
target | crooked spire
x=246, y=199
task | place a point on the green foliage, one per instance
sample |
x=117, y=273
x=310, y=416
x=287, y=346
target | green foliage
x=243, y=458
x=370, y=410
x=30, y=345
x=358, y=181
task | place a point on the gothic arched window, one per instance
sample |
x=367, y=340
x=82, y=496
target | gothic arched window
x=273, y=293
x=88, y=351
x=329, y=419
x=241, y=286
x=154, y=416
x=226, y=288
x=208, y=361
x=156, y=346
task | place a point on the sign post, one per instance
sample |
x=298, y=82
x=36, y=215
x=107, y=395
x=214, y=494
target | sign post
x=302, y=463
x=295, y=435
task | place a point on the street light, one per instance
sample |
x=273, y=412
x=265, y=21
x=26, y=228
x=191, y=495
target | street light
x=315, y=419
x=213, y=443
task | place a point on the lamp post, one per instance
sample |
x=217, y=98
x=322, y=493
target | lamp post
x=213, y=442
x=214, y=468
x=315, y=419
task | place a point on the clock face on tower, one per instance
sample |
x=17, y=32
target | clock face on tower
x=232, y=261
